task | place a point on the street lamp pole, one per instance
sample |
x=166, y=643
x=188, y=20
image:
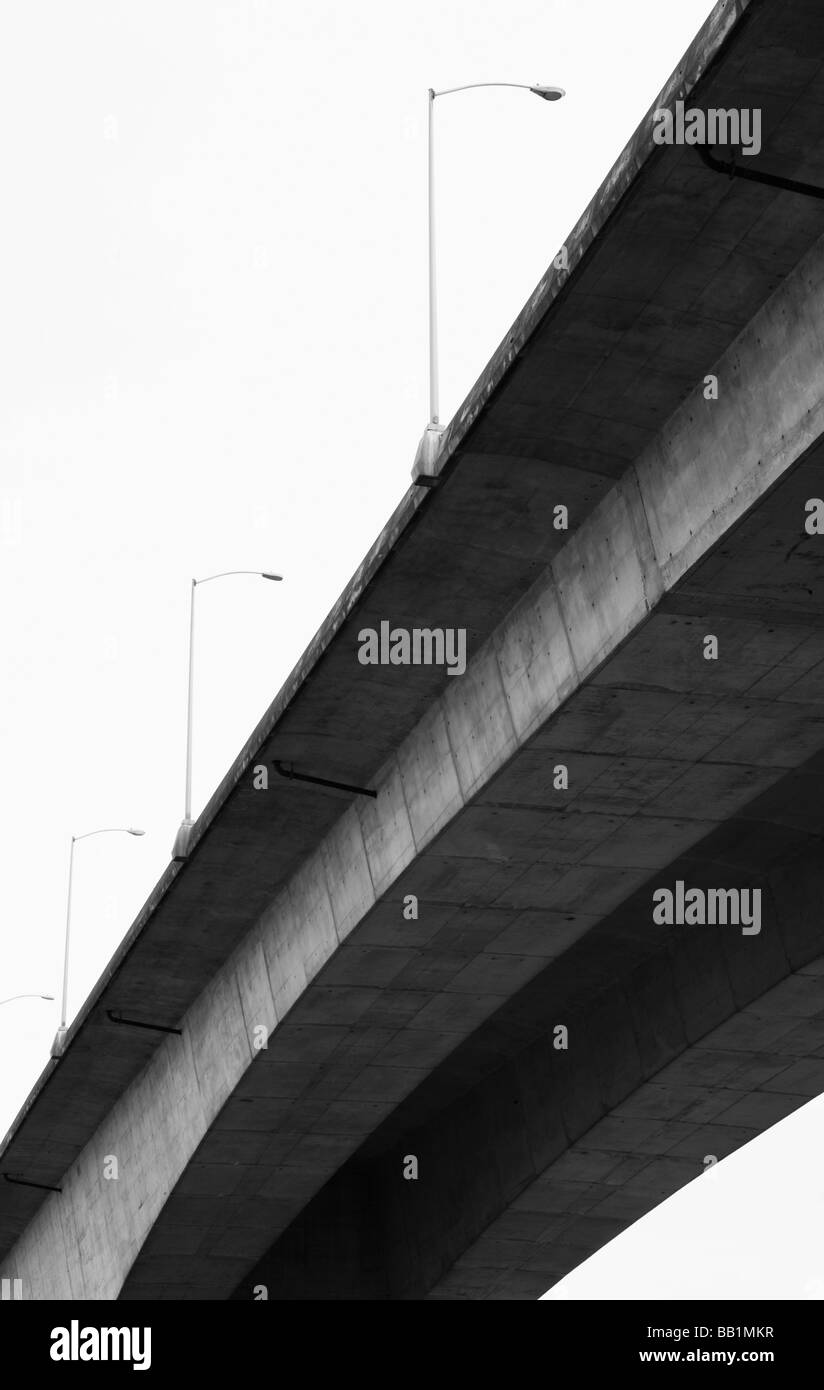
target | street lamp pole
x=428, y=446
x=180, y=848
x=433, y=289
x=64, y=1005
x=57, y=1045
x=187, y=814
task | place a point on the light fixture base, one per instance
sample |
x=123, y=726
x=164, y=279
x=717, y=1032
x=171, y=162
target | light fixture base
x=423, y=469
x=59, y=1044
x=180, y=848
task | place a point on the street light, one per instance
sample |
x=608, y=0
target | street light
x=12, y=998
x=180, y=849
x=60, y=1036
x=428, y=447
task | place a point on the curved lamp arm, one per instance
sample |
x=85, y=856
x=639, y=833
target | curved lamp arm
x=547, y=93
x=12, y=997
x=223, y=574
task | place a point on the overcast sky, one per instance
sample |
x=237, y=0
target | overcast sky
x=213, y=280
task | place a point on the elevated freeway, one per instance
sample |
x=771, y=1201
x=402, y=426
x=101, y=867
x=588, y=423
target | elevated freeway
x=640, y=708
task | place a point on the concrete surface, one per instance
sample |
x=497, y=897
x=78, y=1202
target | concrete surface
x=683, y=1046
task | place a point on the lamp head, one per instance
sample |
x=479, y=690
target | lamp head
x=263, y=575
x=548, y=93
x=133, y=831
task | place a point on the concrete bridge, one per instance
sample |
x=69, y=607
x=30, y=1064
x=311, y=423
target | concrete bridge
x=483, y=1055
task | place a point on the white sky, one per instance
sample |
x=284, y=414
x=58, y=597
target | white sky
x=213, y=356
